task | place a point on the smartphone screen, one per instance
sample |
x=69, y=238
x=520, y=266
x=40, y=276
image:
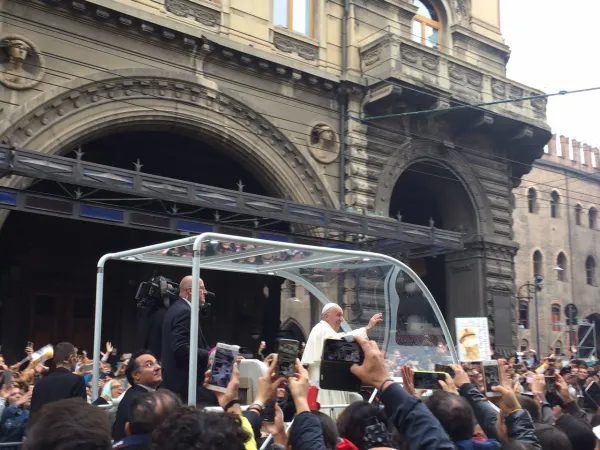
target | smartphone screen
x=550, y=383
x=286, y=357
x=491, y=377
x=428, y=380
x=87, y=367
x=343, y=351
x=222, y=368
x=7, y=378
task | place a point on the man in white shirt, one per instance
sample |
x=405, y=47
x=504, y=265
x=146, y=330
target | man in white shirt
x=328, y=328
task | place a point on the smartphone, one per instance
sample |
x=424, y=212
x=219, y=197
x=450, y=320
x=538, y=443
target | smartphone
x=126, y=356
x=222, y=368
x=428, y=380
x=550, y=383
x=445, y=369
x=337, y=358
x=114, y=352
x=29, y=344
x=491, y=377
x=87, y=367
x=268, y=415
x=592, y=392
x=286, y=357
x=7, y=378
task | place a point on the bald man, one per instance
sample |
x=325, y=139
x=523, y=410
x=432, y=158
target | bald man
x=176, y=346
x=332, y=317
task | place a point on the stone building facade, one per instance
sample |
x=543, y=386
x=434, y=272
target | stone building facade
x=293, y=92
x=556, y=226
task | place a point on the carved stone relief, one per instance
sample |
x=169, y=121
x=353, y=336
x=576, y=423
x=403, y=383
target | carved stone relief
x=288, y=44
x=21, y=64
x=424, y=59
x=324, y=143
x=371, y=56
x=186, y=8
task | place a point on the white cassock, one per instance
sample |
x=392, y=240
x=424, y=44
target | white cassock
x=312, y=356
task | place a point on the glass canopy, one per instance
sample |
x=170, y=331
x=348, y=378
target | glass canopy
x=362, y=283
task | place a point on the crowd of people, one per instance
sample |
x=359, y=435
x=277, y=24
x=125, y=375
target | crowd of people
x=50, y=406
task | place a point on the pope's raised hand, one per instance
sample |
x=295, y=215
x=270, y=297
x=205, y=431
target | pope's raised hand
x=377, y=318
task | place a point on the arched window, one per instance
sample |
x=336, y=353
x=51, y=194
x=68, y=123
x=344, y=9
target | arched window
x=578, y=214
x=427, y=25
x=554, y=199
x=295, y=15
x=561, y=267
x=524, y=346
x=524, y=314
x=590, y=271
x=558, y=348
x=555, y=317
x=593, y=214
x=531, y=199
x=537, y=263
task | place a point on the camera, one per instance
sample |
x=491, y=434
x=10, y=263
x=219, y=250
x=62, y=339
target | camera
x=156, y=292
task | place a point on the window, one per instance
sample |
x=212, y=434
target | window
x=561, y=267
x=590, y=271
x=295, y=15
x=558, y=348
x=555, y=317
x=524, y=345
x=537, y=262
x=554, y=198
x=426, y=26
x=577, y=214
x=524, y=314
x=531, y=199
x=592, y=216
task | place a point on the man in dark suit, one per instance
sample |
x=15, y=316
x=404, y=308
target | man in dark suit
x=144, y=375
x=176, y=346
x=61, y=384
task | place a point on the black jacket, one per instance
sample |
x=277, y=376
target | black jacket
x=176, y=354
x=59, y=385
x=519, y=425
x=118, y=427
x=151, y=326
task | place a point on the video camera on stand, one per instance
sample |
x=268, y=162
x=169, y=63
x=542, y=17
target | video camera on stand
x=160, y=291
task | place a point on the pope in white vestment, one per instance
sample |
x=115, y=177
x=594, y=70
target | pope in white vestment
x=328, y=328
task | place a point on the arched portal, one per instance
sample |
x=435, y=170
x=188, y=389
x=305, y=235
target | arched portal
x=431, y=194
x=186, y=129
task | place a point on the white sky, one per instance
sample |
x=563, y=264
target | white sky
x=555, y=47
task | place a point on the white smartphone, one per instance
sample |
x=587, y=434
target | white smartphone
x=222, y=368
x=491, y=377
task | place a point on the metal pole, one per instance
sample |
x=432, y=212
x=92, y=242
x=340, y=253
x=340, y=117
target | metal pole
x=537, y=320
x=194, y=324
x=343, y=99
x=98, y=324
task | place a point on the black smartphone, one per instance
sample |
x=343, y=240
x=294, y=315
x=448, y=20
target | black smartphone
x=491, y=377
x=29, y=344
x=268, y=414
x=286, y=357
x=7, y=378
x=337, y=358
x=592, y=392
x=445, y=369
x=550, y=383
x=428, y=380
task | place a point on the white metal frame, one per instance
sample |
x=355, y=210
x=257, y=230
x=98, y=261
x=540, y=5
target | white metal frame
x=322, y=255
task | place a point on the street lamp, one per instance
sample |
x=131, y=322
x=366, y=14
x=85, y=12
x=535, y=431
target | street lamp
x=534, y=288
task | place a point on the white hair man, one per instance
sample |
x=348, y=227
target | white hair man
x=332, y=317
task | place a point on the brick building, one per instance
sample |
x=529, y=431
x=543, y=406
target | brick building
x=556, y=226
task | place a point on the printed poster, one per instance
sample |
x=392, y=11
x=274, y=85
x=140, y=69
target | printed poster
x=473, y=339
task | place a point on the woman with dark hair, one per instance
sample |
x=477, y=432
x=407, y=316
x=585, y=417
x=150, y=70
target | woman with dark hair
x=330, y=432
x=364, y=425
x=580, y=433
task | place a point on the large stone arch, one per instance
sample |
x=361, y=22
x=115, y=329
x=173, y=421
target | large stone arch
x=422, y=152
x=102, y=103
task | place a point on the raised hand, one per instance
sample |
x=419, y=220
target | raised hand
x=299, y=386
x=377, y=318
x=373, y=371
x=268, y=383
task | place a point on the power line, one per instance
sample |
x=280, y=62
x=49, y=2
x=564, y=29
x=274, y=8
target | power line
x=291, y=121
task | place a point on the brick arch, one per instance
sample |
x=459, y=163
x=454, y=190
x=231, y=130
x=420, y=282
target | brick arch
x=58, y=119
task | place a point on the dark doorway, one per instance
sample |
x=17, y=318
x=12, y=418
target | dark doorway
x=47, y=272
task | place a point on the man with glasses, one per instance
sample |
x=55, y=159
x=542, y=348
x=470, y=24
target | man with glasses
x=144, y=374
x=176, y=346
x=61, y=384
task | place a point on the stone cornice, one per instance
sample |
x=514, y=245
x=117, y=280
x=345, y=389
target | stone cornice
x=482, y=41
x=110, y=14
x=591, y=177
